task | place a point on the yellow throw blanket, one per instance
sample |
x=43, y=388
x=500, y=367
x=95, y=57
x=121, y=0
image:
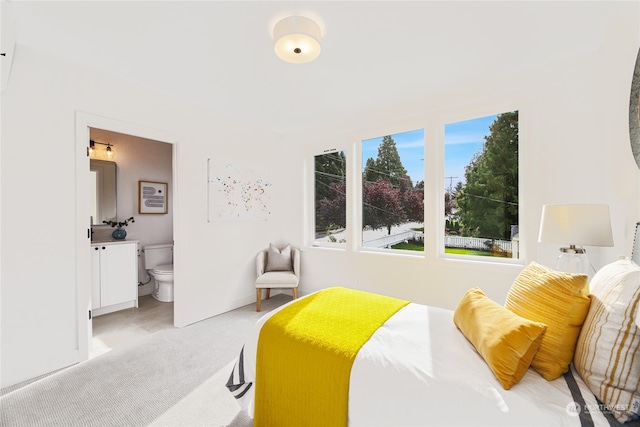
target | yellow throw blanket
x=305, y=353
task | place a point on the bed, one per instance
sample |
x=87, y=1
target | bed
x=419, y=368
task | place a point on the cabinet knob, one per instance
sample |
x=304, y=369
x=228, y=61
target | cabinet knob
x=104, y=247
x=96, y=248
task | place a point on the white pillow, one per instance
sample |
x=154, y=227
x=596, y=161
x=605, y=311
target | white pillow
x=607, y=353
x=279, y=259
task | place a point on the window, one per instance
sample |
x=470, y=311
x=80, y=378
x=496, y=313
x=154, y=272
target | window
x=393, y=191
x=481, y=186
x=330, y=199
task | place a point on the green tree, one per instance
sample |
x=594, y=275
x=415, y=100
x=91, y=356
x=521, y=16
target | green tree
x=370, y=172
x=329, y=167
x=330, y=173
x=388, y=195
x=488, y=202
x=387, y=164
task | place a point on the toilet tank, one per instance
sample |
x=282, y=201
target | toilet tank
x=155, y=255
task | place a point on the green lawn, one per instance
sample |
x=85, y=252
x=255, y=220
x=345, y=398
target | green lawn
x=459, y=251
x=418, y=246
x=411, y=246
x=414, y=245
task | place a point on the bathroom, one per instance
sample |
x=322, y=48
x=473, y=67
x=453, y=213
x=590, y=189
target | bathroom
x=137, y=159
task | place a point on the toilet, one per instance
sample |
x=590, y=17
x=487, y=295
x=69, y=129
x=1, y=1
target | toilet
x=158, y=261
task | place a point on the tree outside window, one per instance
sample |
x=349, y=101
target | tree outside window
x=481, y=212
x=480, y=194
x=330, y=198
x=392, y=205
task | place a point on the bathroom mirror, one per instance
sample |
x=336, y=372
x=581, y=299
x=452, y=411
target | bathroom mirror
x=103, y=191
x=634, y=112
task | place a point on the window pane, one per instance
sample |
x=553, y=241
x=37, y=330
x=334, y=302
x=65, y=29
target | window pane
x=481, y=186
x=330, y=199
x=393, y=191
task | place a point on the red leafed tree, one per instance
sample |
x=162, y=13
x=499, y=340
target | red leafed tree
x=332, y=209
x=412, y=199
x=382, y=206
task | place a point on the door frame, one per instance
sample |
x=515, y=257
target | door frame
x=83, y=123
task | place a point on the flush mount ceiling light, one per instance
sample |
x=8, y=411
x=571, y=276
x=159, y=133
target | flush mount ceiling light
x=297, y=39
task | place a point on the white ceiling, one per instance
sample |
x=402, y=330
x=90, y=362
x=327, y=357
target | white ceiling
x=374, y=54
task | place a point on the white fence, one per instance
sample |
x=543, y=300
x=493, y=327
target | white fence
x=474, y=243
x=393, y=239
x=477, y=243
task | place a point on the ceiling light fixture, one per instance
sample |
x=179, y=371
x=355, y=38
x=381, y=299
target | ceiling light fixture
x=297, y=39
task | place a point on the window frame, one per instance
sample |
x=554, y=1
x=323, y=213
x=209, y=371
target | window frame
x=471, y=112
x=433, y=124
x=311, y=191
x=397, y=129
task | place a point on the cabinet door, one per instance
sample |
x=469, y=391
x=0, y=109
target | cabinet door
x=95, y=277
x=118, y=274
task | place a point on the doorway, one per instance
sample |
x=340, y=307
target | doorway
x=140, y=153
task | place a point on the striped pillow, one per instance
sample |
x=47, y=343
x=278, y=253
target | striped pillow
x=608, y=350
x=560, y=301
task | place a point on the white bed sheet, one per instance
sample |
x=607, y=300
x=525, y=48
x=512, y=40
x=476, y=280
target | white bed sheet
x=418, y=369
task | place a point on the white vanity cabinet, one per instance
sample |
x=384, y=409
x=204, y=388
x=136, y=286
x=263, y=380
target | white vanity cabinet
x=114, y=276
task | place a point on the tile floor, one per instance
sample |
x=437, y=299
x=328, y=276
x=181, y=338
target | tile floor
x=121, y=327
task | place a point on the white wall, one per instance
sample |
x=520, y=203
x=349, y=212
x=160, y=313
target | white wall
x=575, y=148
x=39, y=325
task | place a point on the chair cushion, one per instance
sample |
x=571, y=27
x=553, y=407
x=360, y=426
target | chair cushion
x=279, y=259
x=276, y=279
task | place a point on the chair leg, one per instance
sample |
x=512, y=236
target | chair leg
x=295, y=293
x=268, y=293
x=258, y=298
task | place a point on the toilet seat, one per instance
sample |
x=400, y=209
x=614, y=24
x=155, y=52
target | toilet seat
x=165, y=269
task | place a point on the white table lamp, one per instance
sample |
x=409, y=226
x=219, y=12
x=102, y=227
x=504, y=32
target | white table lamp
x=584, y=225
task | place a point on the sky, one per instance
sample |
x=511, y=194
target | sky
x=462, y=140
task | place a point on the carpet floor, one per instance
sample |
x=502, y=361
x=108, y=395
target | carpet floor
x=173, y=377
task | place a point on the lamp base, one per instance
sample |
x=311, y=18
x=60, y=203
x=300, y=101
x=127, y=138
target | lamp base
x=573, y=260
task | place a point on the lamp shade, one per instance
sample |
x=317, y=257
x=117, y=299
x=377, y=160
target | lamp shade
x=588, y=225
x=297, y=39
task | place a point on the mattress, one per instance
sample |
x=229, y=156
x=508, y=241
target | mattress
x=418, y=369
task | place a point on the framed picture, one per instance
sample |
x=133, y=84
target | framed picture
x=152, y=197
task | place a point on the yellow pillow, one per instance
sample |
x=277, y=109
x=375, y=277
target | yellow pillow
x=560, y=301
x=505, y=341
